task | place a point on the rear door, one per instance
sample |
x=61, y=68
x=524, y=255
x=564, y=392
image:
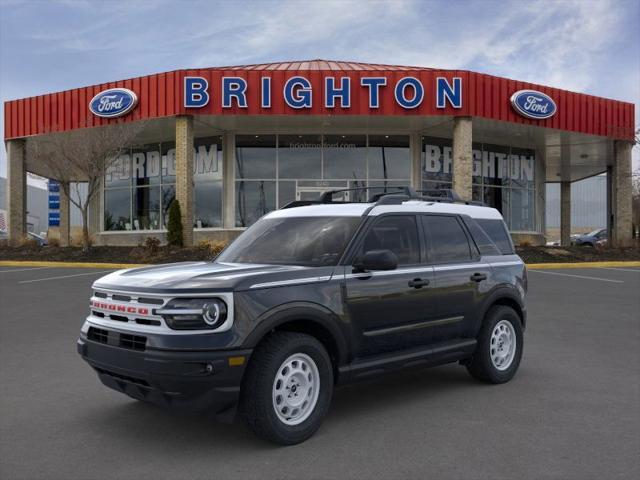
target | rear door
x=389, y=309
x=461, y=279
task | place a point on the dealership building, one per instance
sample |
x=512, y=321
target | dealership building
x=233, y=143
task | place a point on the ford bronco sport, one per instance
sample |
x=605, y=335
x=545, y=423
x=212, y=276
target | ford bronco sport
x=315, y=294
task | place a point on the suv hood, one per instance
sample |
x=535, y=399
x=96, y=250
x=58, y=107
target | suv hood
x=193, y=277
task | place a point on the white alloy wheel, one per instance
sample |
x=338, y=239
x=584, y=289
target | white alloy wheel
x=503, y=345
x=296, y=389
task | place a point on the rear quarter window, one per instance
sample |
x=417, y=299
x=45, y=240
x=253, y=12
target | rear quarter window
x=498, y=233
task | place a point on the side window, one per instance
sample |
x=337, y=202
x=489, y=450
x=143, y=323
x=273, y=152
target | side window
x=482, y=240
x=497, y=232
x=447, y=239
x=398, y=233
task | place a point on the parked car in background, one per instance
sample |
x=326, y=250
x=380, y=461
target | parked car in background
x=41, y=240
x=591, y=239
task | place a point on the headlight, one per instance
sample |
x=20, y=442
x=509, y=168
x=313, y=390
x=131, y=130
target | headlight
x=194, y=313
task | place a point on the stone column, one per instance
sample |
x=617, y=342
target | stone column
x=415, y=147
x=621, y=234
x=462, y=157
x=184, y=174
x=65, y=215
x=565, y=213
x=16, y=191
x=228, y=181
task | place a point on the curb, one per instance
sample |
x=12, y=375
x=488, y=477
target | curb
x=29, y=263
x=532, y=266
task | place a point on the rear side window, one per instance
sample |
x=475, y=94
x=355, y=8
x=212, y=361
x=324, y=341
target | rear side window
x=447, y=241
x=484, y=243
x=397, y=233
x=498, y=234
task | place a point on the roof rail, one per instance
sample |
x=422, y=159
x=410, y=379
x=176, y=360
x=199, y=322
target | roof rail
x=396, y=196
x=327, y=197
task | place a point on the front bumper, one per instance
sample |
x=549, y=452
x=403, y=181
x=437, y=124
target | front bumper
x=192, y=380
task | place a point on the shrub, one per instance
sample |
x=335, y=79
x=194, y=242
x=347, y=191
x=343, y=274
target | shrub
x=174, y=226
x=152, y=244
x=54, y=242
x=212, y=247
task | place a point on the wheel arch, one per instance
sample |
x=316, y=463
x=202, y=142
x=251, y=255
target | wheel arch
x=312, y=319
x=508, y=298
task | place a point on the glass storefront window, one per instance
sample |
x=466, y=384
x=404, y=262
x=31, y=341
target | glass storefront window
x=145, y=165
x=148, y=174
x=118, y=174
x=117, y=209
x=300, y=156
x=503, y=177
x=208, y=202
x=344, y=157
x=522, y=210
x=389, y=157
x=253, y=200
x=255, y=156
x=146, y=208
x=437, y=165
x=168, y=195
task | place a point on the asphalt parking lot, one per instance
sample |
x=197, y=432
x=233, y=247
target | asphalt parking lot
x=572, y=411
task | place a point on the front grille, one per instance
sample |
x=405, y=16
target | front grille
x=128, y=309
x=98, y=335
x=133, y=342
x=126, y=378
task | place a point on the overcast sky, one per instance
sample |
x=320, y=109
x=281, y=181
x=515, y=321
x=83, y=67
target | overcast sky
x=582, y=45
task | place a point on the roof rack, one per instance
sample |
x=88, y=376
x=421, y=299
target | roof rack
x=447, y=195
x=397, y=196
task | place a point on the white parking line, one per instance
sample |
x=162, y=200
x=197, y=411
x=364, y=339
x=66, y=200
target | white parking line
x=23, y=269
x=621, y=269
x=64, y=276
x=577, y=276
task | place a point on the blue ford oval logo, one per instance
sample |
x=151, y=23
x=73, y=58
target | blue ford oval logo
x=533, y=104
x=114, y=102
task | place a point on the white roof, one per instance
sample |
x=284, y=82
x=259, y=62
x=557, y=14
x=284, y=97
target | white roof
x=357, y=209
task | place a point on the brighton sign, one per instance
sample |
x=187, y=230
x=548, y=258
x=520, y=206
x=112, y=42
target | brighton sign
x=533, y=104
x=297, y=92
x=113, y=103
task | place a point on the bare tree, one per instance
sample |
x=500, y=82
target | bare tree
x=82, y=156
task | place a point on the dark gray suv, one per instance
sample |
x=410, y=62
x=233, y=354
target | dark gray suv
x=314, y=295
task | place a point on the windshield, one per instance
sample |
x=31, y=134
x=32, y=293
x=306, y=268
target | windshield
x=306, y=241
x=594, y=233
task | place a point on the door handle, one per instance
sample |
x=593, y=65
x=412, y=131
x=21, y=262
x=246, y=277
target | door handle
x=478, y=277
x=418, y=283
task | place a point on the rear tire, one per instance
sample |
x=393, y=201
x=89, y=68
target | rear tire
x=499, y=349
x=287, y=388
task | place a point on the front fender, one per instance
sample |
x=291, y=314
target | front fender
x=315, y=313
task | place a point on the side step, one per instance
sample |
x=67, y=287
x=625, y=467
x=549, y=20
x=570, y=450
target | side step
x=437, y=354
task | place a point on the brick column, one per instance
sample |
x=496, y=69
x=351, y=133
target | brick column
x=65, y=215
x=462, y=157
x=184, y=174
x=565, y=213
x=16, y=191
x=228, y=180
x=621, y=185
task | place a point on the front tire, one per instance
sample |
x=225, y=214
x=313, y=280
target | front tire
x=287, y=388
x=499, y=349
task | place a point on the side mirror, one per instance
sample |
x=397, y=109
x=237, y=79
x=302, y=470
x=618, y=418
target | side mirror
x=377, y=260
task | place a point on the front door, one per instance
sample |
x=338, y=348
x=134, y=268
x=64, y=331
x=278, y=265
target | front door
x=389, y=310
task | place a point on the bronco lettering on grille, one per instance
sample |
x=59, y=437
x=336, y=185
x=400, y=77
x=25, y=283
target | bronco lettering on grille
x=111, y=307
